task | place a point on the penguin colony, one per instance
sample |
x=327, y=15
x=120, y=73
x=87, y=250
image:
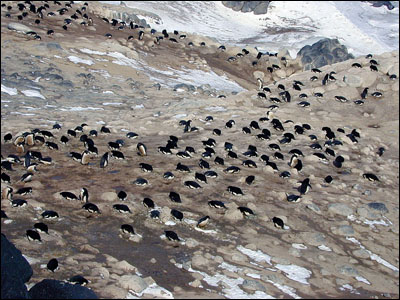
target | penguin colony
x=194, y=165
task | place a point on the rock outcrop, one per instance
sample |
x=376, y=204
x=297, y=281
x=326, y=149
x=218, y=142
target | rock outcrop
x=257, y=7
x=15, y=271
x=322, y=53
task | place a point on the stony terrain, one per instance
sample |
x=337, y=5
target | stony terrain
x=336, y=242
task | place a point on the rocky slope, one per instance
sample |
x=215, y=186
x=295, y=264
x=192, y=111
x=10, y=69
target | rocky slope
x=339, y=240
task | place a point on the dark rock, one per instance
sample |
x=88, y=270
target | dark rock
x=249, y=6
x=235, y=5
x=184, y=86
x=15, y=271
x=378, y=206
x=261, y=8
x=55, y=289
x=388, y=4
x=323, y=52
x=257, y=7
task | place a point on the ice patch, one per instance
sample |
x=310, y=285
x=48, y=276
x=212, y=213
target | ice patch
x=362, y=279
x=108, y=92
x=138, y=106
x=324, y=248
x=153, y=290
x=77, y=60
x=258, y=255
x=79, y=108
x=299, y=246
x=22, y=114
x=180, y=116
x=32, y=93
x=112, y=103
x=170, y=223
x=371, y=223
x=8, y=90
x=374, y=256
x=88, y=51
x=208, y=231
x=294, y=272
x=215, y=108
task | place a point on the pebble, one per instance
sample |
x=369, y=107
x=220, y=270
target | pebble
x=238, y=257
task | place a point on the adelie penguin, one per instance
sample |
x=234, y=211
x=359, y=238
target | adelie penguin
x=142, y=150
x=305, y=186
x=52, y=265
x=278, y=222
x=33, y=235
x=371, y=177
x=203, y=222
x=91, y=208
x=246, y=212
x=104, y=160
x=127, y=229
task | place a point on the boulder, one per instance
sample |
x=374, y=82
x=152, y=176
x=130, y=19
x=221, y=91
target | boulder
x=55, y=289
x=18, y=27
x=340, y=209
x=235, y=5
x=249, y=6
x=15, y=271
x=133, y=282
x=324, y=52
x=353, y=80
x=262, y=8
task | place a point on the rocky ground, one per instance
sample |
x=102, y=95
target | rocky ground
x=336, y=242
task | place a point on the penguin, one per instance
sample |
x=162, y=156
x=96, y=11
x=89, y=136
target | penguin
x=85, y=157
x=146, y=167
x=91, y=208
x=182, y=168
x=5, y=178
x=117, y=154
x=364, y=93
x=122, y=208
x=211, y=174
x=33, y=235
x=246, y=212
x=142, y=150
x=104, y=160
x=371, y=177
x=168, y=175
x=285, y=174
x=52, y=265
x=260, y=84
x=175, y=197
x=232, y=170
x=84, y=195
x=172, y=236
x=79, y=280
x=141, y=181
x=380, y=151
x=249, y=163
x=278, y=222
x=127, y=229
x=148, y=203
x=192, y=184
x=305, y=186
x=26, y=177
x=250, y=179
x=200, y=177
x=122, y=195
x=176, y=214
x=50, y=214
x=328, y=179
x=24, y=191
x=292, y=198
x=6, y=193
x=203, y=222
x=69, y=196
x=155, y=214
x=41, y=227
x=18, y=203
x=235, y=191
x=216, y=204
